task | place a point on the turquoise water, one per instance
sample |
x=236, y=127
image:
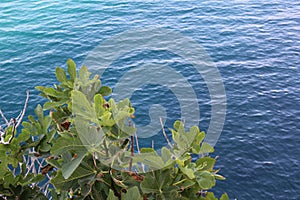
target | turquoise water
x=255, y=45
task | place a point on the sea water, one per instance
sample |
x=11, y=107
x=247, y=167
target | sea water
x=254, y=44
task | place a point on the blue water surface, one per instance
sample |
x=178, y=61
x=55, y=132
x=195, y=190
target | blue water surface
x=255, y=45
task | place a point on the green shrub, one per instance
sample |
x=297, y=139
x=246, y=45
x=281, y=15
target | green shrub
x=81, y=146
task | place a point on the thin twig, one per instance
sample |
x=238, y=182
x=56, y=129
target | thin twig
x=117, y=194
x=4, y=118
x=12, y=132
x=132, y=152
x=24, y=109
x=138, y=149
x=94, y=161
x=164, y=132
x=137, y=143
x=15, y=121
x=105, y=148
x=131, y=149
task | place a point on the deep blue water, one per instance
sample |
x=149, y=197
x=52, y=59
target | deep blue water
x=255, y=45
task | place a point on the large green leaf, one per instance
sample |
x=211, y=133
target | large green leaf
x=111, y=196
x=206, y=163
x=106, y=119
x=166, y=156
x=82, y=107
x=210, y=196
x=91, y=135
x=149, y=158
x=158, y=182
x=84, y=74
x=198, y=138
x=70, y=165
x=71, y=69
x=67, y=145
x=61, y=75
x=181, y=138
x=99, y=102
x=105, y=91
x=206, y=148
x=50, y=105
x=189, y=172
x=54, y=93
x=82, y=172
x=39, y=113
x=3, y=167
x=205, y=180
x=224, y=197
x=132, y=194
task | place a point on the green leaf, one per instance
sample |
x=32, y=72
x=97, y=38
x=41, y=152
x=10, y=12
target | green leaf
x=61, y=75
x=71, y=165
x=166, y=155
x=98, y=104
x=125, y=129
x=224, y=197
x=62, y=195
x=84, y=74
x=177, y=125
x=82, y=107
x=23, y=136
x=210, y=196
x=206, y=148
x=121, y=115
x=106, y=119
x=54, y=93
x=158, y=181
x=187, y=171
x=40, y=88
x=125, y=103
x=39, y=113
x=44, y=146
x=111, y=196
x=71, y=69
x=30, y=178
x=82, y=172
x=91, y=135
x=9, y=179
x=198, y=138
x=54, y=163
x=148, y=150
x=219, y=177
x=105, y=91
x=205, y=180
x=65, y=144
x=206, y=163
x=132, y=194
x=46, y=124
x=3, y=167
x=149, y=158
x=50, y=105
x=188, y=183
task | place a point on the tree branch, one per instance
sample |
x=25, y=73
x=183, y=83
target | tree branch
x=15, y=122
x=164, y=132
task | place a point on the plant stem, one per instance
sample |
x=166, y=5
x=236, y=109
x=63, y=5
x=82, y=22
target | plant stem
x=132, y=152
x=164, y=132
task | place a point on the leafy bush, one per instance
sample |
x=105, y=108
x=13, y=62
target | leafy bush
x=81, y=146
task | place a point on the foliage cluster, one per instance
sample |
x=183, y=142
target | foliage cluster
x=81, y=146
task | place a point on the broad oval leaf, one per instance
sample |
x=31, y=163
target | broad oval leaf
x=61, y=75
x=71, y=69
